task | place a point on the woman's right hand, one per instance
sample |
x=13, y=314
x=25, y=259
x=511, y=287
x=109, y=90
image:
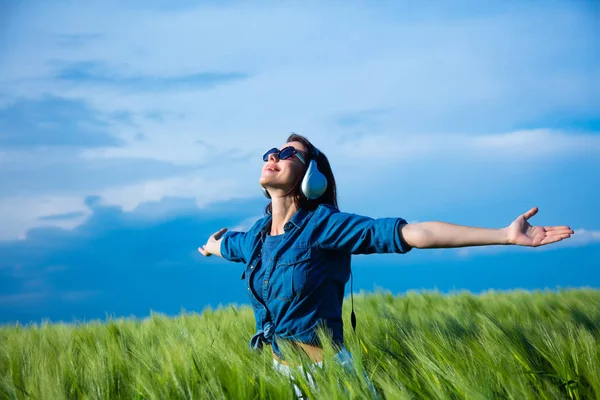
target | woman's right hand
x=213, y=245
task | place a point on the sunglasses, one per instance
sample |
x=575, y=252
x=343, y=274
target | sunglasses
x=284, y=153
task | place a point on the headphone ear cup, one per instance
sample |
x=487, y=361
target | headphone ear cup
x=266, y=193
x=314, y=183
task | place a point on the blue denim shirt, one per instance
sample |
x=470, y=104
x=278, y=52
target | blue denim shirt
x=305, y=276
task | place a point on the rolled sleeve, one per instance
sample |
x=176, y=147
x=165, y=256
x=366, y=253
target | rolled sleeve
x=358, y=234
x=233, y=246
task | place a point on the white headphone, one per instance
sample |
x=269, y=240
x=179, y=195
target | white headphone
x=314, y=183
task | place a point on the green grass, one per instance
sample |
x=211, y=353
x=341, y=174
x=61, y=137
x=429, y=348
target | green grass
x=426, y=345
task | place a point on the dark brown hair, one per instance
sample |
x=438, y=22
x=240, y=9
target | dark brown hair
x=330, y=195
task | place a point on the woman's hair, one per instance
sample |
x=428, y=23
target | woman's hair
x=330, y=195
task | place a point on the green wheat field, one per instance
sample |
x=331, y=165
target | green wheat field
x=421, y=345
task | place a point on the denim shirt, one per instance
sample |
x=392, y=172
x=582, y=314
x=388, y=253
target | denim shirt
x=305, y=275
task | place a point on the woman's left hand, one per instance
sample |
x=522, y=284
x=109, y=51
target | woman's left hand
x=521, y=233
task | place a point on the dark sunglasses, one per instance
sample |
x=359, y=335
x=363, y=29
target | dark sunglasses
x=284, y=153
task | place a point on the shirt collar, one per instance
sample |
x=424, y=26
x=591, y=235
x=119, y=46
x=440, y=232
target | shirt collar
x=297, y=220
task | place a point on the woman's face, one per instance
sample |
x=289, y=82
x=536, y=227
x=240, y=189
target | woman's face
x=280, y=175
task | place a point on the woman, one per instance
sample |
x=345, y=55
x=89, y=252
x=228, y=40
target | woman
x=298, y=256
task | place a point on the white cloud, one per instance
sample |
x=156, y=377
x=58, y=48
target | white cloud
x=371, y=163
x=537, y=142
x=308, y=65
x=431, y=163
x=583, y=237
x=23, y=212
x=222, y=180
x=427, y=67
x=503, y=147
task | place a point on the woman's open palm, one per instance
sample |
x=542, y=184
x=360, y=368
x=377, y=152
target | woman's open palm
x=213, y=244
x=521, y=233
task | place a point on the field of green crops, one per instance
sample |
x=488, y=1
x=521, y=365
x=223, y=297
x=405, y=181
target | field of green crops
x=422, y=345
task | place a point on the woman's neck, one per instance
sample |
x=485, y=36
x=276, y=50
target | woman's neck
x=283, y=209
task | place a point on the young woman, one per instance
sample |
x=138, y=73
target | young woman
x=297, y=257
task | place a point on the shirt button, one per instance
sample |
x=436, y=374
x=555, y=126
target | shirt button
x=266, y=282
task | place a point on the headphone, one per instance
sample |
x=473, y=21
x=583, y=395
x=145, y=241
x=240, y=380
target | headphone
x=314, y=183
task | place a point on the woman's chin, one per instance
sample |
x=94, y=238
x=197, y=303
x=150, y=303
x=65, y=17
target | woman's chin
x=268, y=179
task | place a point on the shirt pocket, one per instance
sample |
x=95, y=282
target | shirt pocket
x=290, y=273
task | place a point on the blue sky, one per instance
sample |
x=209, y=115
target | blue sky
x=129, y=133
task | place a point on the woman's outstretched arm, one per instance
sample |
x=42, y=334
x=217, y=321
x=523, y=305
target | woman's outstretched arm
x=429, y=235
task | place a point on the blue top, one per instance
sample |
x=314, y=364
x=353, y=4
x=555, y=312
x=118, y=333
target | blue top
x=269, y=246
x=304, y=276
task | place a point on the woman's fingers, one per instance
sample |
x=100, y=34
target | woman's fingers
x=214, y=237
x=559, y=233
x=218, y=234
x=530, y=213
x=203, y=251
x=558, y=229
x=554, y=238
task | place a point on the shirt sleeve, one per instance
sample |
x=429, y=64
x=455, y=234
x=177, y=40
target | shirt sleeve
x=358, y=234
x=234, y=245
